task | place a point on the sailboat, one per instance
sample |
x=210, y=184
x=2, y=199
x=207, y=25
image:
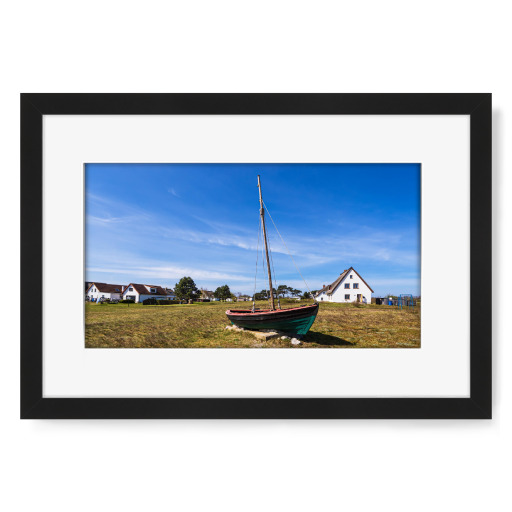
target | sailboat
x=295, y=321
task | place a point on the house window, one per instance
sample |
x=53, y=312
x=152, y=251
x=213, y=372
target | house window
x=356, y=285
x=130, y=289
x=347, y=296
x=351, y=277
x=152, y=290
x=347, y=285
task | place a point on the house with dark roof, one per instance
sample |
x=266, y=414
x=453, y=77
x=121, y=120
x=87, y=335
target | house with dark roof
x=103, y=291
x=140, y=292
x=349, y=286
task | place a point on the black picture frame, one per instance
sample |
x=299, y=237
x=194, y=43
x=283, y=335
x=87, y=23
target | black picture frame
x=35, y=106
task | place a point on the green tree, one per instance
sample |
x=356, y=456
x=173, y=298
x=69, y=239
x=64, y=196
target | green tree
x=282, y=290
x=186, y=289
x=222, y=292
x=306, y=295
x=263, y=295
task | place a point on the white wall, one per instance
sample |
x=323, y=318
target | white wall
x=106, y=295
x=96, y=294
x=341, y=291
x=139, y=297
x=323, y=297
x=434, y=46
x=134, y=292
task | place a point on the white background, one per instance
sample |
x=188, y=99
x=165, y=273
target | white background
x=439, y=368
x=264, y=46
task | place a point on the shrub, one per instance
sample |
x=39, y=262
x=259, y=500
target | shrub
x=127, y=301
x=290, y=301
x=159, y=302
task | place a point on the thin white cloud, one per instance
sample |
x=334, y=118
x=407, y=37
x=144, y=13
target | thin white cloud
x=168, y=273
x=92, y=219
x=369, y=245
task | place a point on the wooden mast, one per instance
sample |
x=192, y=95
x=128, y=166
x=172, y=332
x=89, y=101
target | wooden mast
x=262, y=213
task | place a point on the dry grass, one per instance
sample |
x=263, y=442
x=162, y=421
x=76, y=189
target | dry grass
x=203, y=325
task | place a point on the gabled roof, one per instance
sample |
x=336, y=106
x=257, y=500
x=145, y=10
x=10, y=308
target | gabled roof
x=145, y=289
x=329, y=289
x=107, y=288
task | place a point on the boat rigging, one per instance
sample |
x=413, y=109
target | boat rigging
x=296, y=320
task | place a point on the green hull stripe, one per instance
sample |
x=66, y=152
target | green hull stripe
x=299, y=326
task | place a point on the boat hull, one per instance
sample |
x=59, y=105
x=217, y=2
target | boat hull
x=296, y=321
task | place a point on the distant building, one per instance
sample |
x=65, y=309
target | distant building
x=170, y=293
x=103, y=291
x=140, y=292
x=206, y=295
x=348, y=287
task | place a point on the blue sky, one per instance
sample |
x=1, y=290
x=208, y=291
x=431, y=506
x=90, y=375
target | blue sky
x=155, y=223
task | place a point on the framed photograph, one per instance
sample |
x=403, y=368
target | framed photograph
x=256, y=256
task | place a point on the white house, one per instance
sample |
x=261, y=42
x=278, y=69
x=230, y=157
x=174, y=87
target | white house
x=98, y=291
x=140, y=292
x=348, y=287
x=206, y=294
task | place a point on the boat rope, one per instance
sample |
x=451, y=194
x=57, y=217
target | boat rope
x=260, y=233
x=275, y=278
x=256, y=273
x=289, y=253
x=264, y=262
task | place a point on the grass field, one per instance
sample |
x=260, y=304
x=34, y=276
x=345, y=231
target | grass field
x=203, y=325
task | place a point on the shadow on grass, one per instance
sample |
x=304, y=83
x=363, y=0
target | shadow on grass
x=326, y=339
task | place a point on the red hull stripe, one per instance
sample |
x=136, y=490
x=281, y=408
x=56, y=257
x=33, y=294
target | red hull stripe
x=248, y=312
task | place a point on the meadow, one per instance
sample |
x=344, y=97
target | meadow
x=203, y=325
